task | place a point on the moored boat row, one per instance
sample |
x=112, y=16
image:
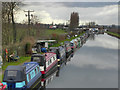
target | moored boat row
x=31, y=74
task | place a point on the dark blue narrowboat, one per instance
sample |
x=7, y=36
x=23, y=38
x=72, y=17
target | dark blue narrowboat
x=25, y=76
x=61, y=54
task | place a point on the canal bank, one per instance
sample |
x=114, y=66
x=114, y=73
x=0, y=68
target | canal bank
x=113, y=34
x=95, y=65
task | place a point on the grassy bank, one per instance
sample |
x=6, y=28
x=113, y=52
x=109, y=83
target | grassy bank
x=113, y=34
x=19, y=62
x=1, y=77
x=62, y=42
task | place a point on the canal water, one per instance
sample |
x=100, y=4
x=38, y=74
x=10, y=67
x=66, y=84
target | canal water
x=94, y=65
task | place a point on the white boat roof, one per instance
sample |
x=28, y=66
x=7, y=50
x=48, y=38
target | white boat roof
x=39, y=41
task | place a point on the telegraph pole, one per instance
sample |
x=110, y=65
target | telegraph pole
x=29, y=15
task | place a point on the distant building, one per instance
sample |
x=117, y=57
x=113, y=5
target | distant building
x=52, y=27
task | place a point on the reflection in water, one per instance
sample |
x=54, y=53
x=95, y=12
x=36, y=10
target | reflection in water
x=95, y=65
x=92, y=37
x=49, y=79
x=104, y=41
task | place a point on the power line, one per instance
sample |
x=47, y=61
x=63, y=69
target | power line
x=29, y=15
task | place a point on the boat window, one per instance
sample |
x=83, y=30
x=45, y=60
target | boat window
x=53, y=58
x=35, y=71
x=29, y=77
x=50, y=61
x=38, y=69
x=36, y=58
x=12, y=73
x=40, y=60
x=33, y=74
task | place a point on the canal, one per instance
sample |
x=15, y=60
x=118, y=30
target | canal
x=94, y=65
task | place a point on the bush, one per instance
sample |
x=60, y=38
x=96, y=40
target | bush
x=28, y=48
x=55, y=36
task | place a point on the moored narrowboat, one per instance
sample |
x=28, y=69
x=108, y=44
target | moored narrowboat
x=60, y=52
x=48, y=62
x=72, y=44
x=79, y=42
x=26, y=76
x=68, y=50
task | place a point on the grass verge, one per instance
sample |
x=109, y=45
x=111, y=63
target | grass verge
x=19, y=62
x=114, y=34
x=59, y=43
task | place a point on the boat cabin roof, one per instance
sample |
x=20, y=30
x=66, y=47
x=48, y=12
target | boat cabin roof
x=39, y=41
x=30, y=65
x=37, y=55
x=17, y=68
x=49, y=55
x=53, y=47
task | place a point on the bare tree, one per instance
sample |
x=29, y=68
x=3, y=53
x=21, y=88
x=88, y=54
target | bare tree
x=8, y=15
x=5, y=12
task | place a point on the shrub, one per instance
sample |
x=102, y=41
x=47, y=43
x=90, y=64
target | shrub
x=28, y=48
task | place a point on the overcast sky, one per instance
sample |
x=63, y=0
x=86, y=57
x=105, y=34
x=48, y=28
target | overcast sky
x=59, y=12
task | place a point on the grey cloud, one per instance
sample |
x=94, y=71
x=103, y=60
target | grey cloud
x=88, y=11
x=73, y=4
x=88, y=4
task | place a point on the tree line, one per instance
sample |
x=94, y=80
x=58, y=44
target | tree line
x=8, y=20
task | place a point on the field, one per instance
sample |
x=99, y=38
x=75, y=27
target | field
x=56, y=31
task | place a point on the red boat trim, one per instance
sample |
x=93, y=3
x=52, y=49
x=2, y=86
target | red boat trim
x=49, y=55
x=43, y=80
x=73, y=47
x=43, y=72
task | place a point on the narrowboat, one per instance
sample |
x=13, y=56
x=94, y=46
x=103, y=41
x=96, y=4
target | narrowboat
x=72, y=44
x=76, y=43
x=82, y=40
x=60, y=53
x=68, y=50
x=79, y=42
x=25, y=76
x=47, y=62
